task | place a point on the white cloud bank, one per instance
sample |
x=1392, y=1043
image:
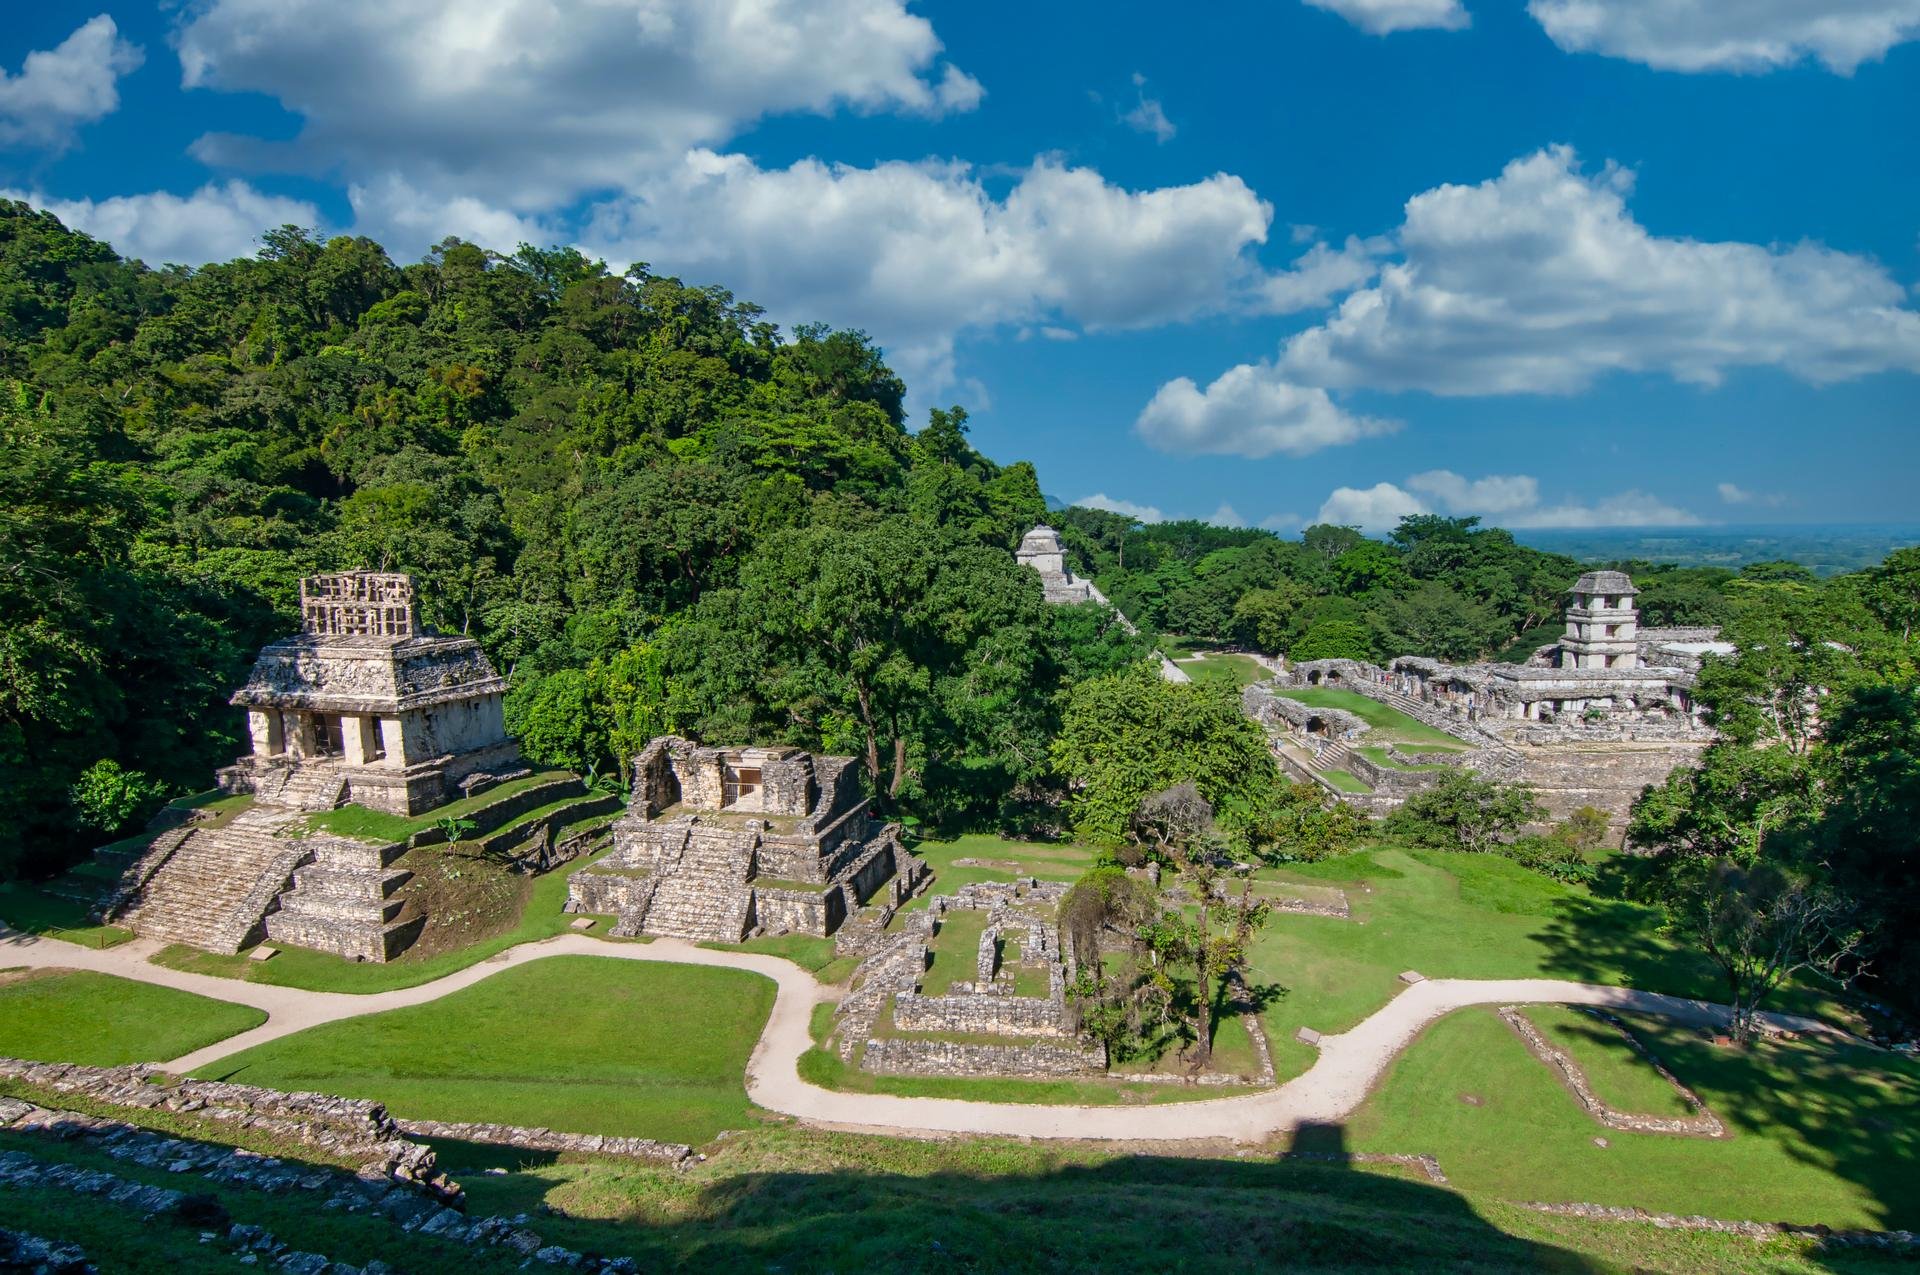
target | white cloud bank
x=1731, y=35
x=218, y=222
x=531, y=105
x=1506, y=500
x=1540, y=280
x=1383, y=17
x=57, y=90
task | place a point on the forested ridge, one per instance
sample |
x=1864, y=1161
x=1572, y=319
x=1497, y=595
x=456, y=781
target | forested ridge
x=653, y=509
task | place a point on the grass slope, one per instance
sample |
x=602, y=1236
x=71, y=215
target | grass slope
x=1620, y=1077
x=1821, y=1133
x=78, y=1016
x=1222, y=666
x=1388, y=723
x=1451, y=915
x=574, y=1043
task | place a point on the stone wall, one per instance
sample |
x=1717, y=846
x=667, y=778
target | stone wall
x=1607, y=776
x=817, y=912
x=894, y=1056
x=979, y=1015
x=351, y=1130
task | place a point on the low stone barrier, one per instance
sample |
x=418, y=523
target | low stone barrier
x=535, y=1139
x=949, y=1058
x=1825, y=1235
x=1703, y=1123
x=349, y=1129
x=978, y=1014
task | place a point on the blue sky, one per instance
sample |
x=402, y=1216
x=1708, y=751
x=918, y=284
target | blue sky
x=1567, y=262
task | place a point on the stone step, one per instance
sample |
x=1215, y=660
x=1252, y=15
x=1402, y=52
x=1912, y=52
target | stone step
x=369, y=885
x=215, y=887
x=343, y=907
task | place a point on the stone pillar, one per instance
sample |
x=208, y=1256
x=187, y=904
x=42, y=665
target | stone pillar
x=393, y=733
x=269, y=735
x=301, y=734
x=359, y=739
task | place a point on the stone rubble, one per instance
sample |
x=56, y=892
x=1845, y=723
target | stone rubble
x=1827, y=1237
x=534, y=1139
x=32, y=1255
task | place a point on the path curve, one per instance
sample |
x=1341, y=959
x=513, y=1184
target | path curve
x=1349, y=1065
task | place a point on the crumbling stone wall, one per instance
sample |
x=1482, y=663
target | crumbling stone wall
x=895, y=1056
x=979, y=1014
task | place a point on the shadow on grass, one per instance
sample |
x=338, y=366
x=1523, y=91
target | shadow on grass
x=1137, y=1212
x=1849, y=1110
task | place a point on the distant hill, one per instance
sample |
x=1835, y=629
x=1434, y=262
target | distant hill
x=1827, y=549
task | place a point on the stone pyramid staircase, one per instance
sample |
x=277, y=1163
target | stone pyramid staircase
x=213, y=888
x=305, y=788
x=342, y=901
x=705, y=896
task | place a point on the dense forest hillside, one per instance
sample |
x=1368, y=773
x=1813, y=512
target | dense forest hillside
x=654, y=510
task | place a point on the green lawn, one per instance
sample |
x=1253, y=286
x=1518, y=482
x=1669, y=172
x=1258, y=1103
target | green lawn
x=376, y=825
x=1011, y=859
x=576, y=1043
x=79, y=1016
x=1452, y=915
x=1821, y=1133
x=321, y=971
x=1388, y=723
x=32, y=909
x=1620, y=1077
x=1224, y=666
x=956, y=951
x=1346, y=781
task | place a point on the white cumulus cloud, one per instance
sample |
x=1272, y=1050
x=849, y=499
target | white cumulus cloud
x=1253, y=411
x=218, y=222
x=57, y=90
x=1731, y=35
x=1113, y=505
x=1376, y=508
x=1383, y=17
x=1226, y=516
x=1540, y=280
x=917, y=253
x=533, y=104
x=1506, y=500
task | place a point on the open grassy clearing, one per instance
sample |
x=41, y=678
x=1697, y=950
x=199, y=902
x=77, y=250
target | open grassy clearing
x=79, y=1016
x=1389, y=724
x=574, y=1043
x=532, y=910
x=1620, y=1077
x=999, y=860
x=1821, y=1132
x=1346, y=781
x=1452, y=915
x=1225, y=666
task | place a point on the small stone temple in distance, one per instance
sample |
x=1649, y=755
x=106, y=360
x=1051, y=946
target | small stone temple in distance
x=719, y=844
x=365, y=706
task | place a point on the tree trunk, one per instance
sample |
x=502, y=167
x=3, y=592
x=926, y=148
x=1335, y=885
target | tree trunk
x=899, y=766
x=1203, y=986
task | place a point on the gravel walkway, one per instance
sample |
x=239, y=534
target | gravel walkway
x=1332, y=1089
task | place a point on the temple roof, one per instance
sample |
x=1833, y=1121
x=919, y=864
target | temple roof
x=1604, y=582
x=368, y=674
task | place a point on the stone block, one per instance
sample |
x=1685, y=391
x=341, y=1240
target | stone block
x=581, y=923
x=1307, y=1036
x=263, y=953
x=1410, y=977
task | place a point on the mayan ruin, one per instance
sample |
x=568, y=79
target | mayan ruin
x=721, y=843
x=1589, y=720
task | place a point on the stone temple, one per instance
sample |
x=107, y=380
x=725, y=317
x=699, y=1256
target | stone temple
x=364, y=706
x=1588, y=720
x=722, y=843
